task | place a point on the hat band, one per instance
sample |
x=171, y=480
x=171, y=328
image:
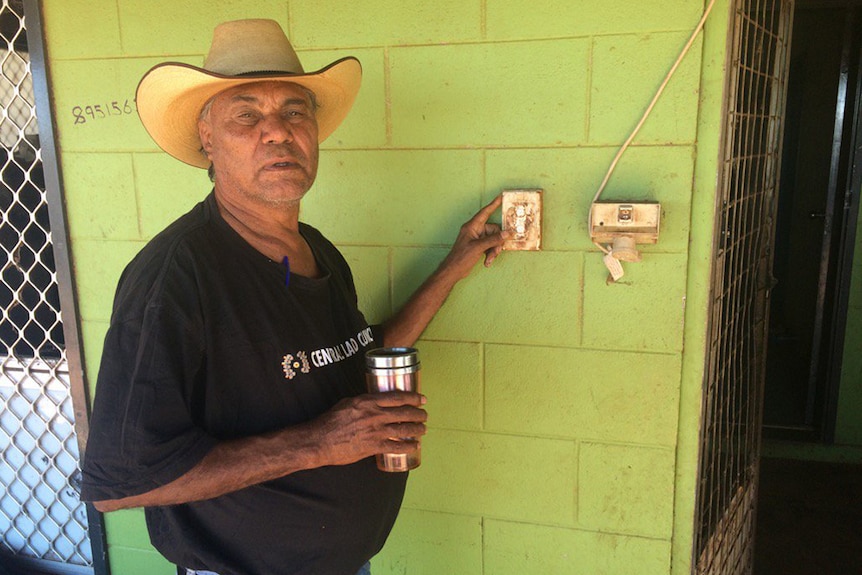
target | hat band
x=267, y=73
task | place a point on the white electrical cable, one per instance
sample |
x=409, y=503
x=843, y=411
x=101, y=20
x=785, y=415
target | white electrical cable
x=652, y=104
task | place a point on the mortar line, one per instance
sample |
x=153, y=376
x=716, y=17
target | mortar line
x=289, y=19
x=387, y=96
x=390, y=264
x=576, y=495
x=483, y=19
x=581, y=289
x=138, y=215
x=482, y=543
x=483, y=170
x=589, y=89
x=482, y=376
x=120, y=26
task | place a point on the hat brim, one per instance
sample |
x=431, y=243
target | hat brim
x=171, y=95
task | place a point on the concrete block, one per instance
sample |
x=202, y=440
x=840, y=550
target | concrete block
x=97, y=269
x=75, y=32
x=540, y=550
x=526, y=298
x=148, y=31
x=166, y=188
x=370, y=267
x=626, y=489
x=331, y=23
x=569, y=18
x=627, y=72
x=644, y=311
x=365, y=126
x=520, y=478
x=509, y=94
x=365, y=197
x=583, y=394
x=452, y=382
x=100, y=196
x=426, y=543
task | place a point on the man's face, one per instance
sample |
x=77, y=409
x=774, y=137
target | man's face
x=262, y=141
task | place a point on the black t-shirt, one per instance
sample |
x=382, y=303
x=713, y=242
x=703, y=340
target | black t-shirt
x=210, y=340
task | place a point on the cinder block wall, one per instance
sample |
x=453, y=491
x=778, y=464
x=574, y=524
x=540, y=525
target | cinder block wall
x=563, y=411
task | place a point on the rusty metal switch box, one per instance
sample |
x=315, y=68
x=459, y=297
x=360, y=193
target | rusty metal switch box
x=522, y=214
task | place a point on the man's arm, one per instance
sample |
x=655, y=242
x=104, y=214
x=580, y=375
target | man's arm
x=354, y=429
x=477, y=237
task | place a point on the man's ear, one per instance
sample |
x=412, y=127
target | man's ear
x=205, y=133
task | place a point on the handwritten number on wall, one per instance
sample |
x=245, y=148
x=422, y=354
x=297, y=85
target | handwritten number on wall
x=83, y=114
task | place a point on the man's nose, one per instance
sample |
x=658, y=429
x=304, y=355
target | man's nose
x=276, y=129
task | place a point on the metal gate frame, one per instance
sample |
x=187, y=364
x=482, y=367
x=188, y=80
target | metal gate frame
x=734, y=375
x=62, y=258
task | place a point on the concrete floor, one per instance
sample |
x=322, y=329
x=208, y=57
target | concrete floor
x=809, y=519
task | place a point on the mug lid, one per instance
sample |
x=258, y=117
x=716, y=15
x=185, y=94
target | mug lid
x=391, y=357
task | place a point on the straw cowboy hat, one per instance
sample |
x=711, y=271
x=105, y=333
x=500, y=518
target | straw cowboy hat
x=171, y=95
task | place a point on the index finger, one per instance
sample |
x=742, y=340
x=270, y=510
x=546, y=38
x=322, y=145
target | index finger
x=485, y=213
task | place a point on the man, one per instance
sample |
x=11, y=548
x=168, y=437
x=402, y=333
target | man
x=228, y=404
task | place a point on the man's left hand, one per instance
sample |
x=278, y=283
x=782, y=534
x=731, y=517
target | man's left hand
x=475, y=238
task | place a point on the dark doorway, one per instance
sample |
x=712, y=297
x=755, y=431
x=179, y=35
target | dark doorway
x=816, y=223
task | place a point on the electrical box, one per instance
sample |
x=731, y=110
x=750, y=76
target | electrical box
x=522, y=214
x=638, y=221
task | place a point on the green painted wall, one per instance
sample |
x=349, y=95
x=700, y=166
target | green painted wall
x=563, y=412
x=849, y=425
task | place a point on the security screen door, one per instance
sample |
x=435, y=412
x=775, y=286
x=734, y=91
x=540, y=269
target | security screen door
x=741, y=281
x=43, y=524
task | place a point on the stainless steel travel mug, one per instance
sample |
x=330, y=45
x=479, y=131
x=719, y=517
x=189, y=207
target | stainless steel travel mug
x=394, y=369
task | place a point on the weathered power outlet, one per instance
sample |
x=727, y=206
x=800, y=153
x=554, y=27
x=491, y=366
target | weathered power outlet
x=522, y=214
x=638, y=221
